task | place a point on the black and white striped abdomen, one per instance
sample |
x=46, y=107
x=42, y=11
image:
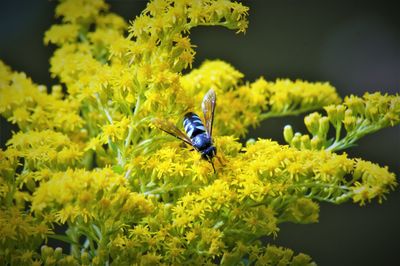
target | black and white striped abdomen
x=193, y=125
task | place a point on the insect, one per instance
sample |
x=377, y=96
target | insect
x=197, y=135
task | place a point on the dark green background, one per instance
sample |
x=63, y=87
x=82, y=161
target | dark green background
x=355, y=45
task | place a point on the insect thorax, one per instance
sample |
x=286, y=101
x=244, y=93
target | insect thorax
x=201, y=141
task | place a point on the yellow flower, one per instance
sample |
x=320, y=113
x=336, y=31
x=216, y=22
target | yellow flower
x=117, y=130
x=27, y=256
x=60, y=34
x=94, y=143
x=151, y=259
x=304, y=211
x=80, y=10
x=104, y=37
x=119, y=46
x=374, y=181
x=286, y=94
x=111, y=20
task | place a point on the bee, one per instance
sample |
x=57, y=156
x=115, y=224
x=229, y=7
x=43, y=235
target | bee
x=197, y=135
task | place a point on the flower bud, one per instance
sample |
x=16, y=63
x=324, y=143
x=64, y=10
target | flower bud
x=335, y=114
x=50, y=261
x=288, y=133
x=305, y=142
x=342, y=198
x=332, y=113
x=340, y=109
x=46, y=251
x=312, y=123
x=56, y=91
x=250, y=141
x=58, y=253
x=355, y=103
x=85, y=259
x=42, y=89
x=372, y=112
x=323, y=127
x=350, y=123
x=296, y=140
x=316, y=143
x=348, y=112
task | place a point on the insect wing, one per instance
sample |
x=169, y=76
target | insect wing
x=171, y=129
x=208, y=106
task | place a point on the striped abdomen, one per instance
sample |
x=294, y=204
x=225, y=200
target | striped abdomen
x=197, y=133
x=193, y=125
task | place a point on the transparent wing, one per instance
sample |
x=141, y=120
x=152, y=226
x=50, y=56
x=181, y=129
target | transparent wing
x=171, y=129
x=208, y=106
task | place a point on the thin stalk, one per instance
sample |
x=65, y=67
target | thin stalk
x=106, y=112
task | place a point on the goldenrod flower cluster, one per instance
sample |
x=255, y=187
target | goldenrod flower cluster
x=351, y=120
x=87, y=158
x=245, y=104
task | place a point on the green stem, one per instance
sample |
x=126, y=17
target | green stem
x=337, y=200
x=92, y=248
x=63, y=238
x=129, y=137
x=338, y=129
x=73, y=234
x=111, y=144
x=89, y=233
x=105, y=111
x=128, y=173
x=352, y=137
x=137, y=106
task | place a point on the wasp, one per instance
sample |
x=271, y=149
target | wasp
x=197, y=135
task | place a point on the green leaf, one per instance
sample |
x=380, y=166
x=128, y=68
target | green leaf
x=64, y=239
x=118, y=169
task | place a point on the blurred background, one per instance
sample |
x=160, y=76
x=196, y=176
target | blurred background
x=355, y=45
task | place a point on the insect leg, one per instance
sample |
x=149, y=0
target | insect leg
x=219, y=160
x=212, y=164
